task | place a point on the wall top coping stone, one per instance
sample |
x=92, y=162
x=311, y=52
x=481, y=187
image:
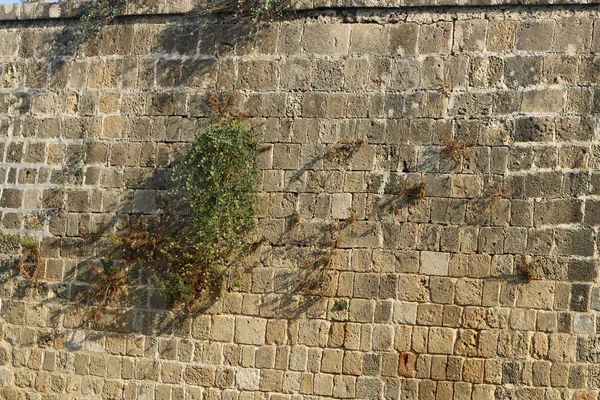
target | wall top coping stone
x=33, y=11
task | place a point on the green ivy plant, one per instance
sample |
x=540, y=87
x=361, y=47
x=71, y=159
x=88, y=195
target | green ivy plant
x=190, y=250
x=218, y=176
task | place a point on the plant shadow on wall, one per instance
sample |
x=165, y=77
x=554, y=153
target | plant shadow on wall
x=184, y=256
x=178, y=255
x=244, y=20
x=190, y=248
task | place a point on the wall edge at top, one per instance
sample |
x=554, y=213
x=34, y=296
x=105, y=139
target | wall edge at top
x=66, y=10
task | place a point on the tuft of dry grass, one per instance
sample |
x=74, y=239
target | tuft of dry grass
x=414, y=193
x=223, y=105
x=342, y=150
x=456, y=149
x=31, y=263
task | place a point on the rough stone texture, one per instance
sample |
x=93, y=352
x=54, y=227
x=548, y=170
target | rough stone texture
x=496, y=112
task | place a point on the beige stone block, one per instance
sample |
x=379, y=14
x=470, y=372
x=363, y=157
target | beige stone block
x=536, y=295
x=222, y=328
x=469, y=35
x=469, y=291
x=500, y=35
x=562, y=347
x=473, y=369
x=250, y=330
x=441, y=340
x=344, y=387
x=247, y=378
x=435, y=38
x=199, y=375
x=341, y=205
x=332, y=361
x=330, y=39
x=369, y=39
x=323, y=384
x=543, y=101
x=352, y=363
x=271, y=380
x=434, y=263
x=313, y=332
x=383, y=337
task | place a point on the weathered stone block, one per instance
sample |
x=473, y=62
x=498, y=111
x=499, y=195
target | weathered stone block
x=412, y=288
x=271, y=380
x=500, y=35
x=583, y=270
x=441, y=340
x=425, y=105
x=543, y=184
x=535, y=295
x=330, y=39
x=580, y=297
x=469, y=35
x=435, y=38
x=403, y=38
x=572, y=35
x=543, y=101
x=535, y=35
x=522, y=71
x=433, y=263
x=250, y=330
x=556, y=212
x=369, y=39
x=258, y=74
x=405, y=74
x=575, y=242
x=360, y=234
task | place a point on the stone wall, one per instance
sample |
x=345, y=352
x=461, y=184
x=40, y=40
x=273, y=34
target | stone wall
x=484, y=288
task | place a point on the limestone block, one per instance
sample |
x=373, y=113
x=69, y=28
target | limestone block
x=369, y=39
x=543, y=101
x=435, y=38
x=572, y=35
x=433, y=263
x=470, y=35
x=535, y=35
x=330, y=39
x=403, y=38
x=250, y=330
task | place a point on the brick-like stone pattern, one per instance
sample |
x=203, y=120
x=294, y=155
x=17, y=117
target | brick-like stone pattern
x=437, y=307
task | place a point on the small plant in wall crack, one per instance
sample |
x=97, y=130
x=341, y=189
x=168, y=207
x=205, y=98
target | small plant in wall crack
x=95, y=14
x=31, y=263
x=498, y=191
x=294, y=220
x=222, y=104
x=351, y=217
x=528, y=267
x=456, y=149
x=414, y=193
x=109, y=285
x=342, y=150
x=340, y=305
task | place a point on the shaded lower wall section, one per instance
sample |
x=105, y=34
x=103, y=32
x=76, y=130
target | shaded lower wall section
x=454, y=151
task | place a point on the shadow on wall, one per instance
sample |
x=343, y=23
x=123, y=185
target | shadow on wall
x=139, y=308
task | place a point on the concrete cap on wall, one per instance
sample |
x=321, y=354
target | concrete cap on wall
x=69, y=9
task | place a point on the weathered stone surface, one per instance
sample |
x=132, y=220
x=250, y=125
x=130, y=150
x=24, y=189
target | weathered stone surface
x=434, y=171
